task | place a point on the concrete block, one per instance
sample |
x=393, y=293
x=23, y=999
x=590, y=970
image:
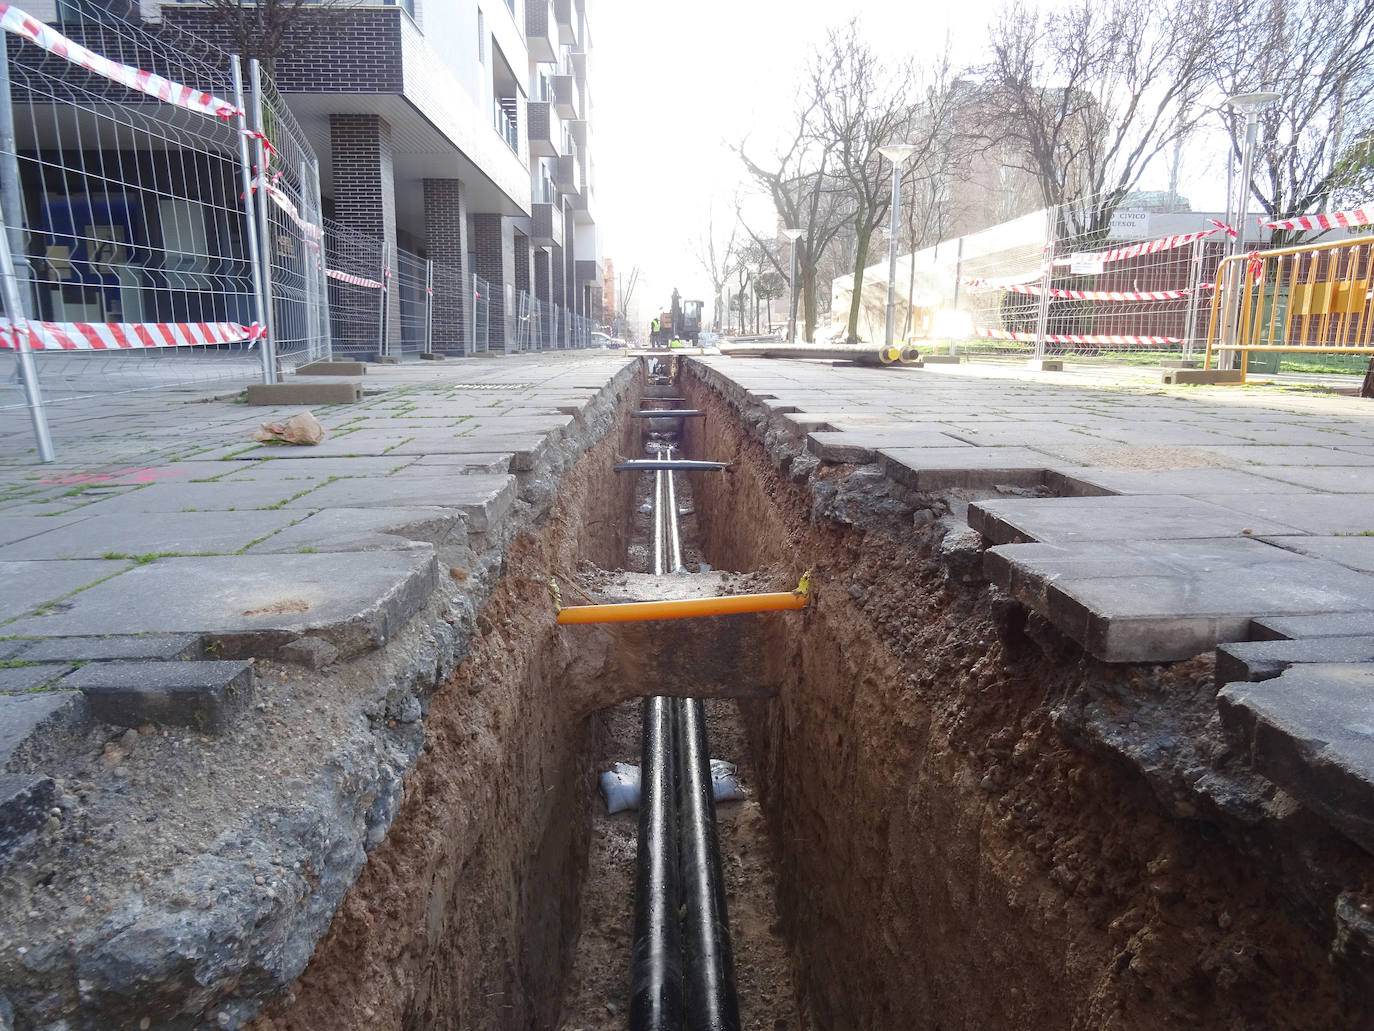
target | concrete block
x=1314, y=513
x=37, y=727
x=483, y=499
x=121, y=648
x=332, y=369
x=860, y=446
x=386, y=359
x=1264, y=660
x=30, y=585
x=941, y=359
x=433, y=356
x=1330, y=624
x=1179, y=363
x=205, y=695
x=963, y=467
x=1351, y=552
x=1045, y=365
x=311, y=652
x=1203, y=376
x=304, y=393
x=1311, y=732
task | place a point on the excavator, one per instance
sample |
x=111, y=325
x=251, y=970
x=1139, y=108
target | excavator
x=681, y=322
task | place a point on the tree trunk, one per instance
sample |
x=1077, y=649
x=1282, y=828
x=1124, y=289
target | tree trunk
x=808, y=300
x=865, y=232
x=1367, y=387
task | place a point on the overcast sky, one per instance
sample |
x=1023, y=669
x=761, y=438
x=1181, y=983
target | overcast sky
x=672, y=85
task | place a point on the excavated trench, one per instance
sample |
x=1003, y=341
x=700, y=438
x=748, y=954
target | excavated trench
x=936, y=834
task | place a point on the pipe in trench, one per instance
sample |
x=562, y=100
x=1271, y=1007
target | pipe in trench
x=712, y=1003
x=656, y=981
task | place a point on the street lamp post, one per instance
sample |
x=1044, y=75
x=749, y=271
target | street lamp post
x=792, y=235
x=896, y=153
x=1250, y=105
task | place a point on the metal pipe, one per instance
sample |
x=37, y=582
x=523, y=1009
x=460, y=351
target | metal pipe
x=866, y=354
x=268, y=342
x=681, y=464
x=672, y=520
x=658, y=522
x=656, y=995
x=712, y=1004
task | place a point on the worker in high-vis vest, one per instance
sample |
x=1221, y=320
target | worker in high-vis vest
x=653, y=333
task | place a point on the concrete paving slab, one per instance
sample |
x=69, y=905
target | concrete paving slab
x=1260, y=456
x=1320, y=514
x=1334, y=624
x=1186, y=482
x=1353, y=552
x=199, y=497
x=208, y=695
x=251, y=604
x=483, y=499
x=368, y=529
x=1335, y=478
x=30, y=585
x=144, y=647
x=1161, y=618
x=964, y=467
x=1264, y=660
x=1311, y=732
x=470, y=463
x=184, y=533
x=318, y=469
x=1120, y=518
x=14, y=679
x=18, y=528
x=861, y=446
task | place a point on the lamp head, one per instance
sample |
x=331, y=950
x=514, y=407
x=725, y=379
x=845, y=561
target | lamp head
x=1253, y=103
x=792, y=234
x=897, y=152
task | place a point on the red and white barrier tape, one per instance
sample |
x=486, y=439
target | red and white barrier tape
x=1148, y=247
x=281, y=200
x=1330, y=220
x=118, y=336
x=12, y=19
x=1076, y=338
x=344, y=277
x=1085, y=295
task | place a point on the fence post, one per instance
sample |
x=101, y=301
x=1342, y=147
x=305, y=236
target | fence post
x=383, y=346
x=429, y=306
x=250, y=217
x=1194, y=289
x=264, y=241
x=321, y=280
x=1042, y=317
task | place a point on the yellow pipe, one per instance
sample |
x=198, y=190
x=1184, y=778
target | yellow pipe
x=637, y=611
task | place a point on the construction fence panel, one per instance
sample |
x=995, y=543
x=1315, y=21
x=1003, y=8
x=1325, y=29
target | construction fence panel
x=292, y=241
x=481, y=315
x=123, y=198
x=411, y=281
x=355, y=274
x=450, y=332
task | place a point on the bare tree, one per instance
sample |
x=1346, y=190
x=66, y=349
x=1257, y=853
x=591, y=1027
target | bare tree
x=624, y=291
x=718, y=258
x=805, y=196
x=1319, y=57
x=1090, y=93
x=265, y=29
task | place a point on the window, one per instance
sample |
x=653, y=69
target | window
x=481, y=37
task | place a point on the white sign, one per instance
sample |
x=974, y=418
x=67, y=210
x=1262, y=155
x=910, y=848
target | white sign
x=1130, y=225
x=1082, y=264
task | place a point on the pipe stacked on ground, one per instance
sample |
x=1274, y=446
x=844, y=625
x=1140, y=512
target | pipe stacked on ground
x=864, y=354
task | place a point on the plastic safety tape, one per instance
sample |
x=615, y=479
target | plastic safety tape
x=1148, y=247
x=1330, y=220
x=344, y=277
x=118, y=336
x=12, y=19
x=1083, y=295
x=1076, y=338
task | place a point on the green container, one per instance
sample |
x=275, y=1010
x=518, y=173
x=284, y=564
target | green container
x=1271, y=297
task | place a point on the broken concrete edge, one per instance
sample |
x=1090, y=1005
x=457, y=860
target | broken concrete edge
x=252, y=946
x=205, y=695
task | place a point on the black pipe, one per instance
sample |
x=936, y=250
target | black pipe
x=680, y=464
x=656, y=999
x=669, y=413
x=712, y=1004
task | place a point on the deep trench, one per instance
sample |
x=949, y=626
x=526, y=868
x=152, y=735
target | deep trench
x=933, y=845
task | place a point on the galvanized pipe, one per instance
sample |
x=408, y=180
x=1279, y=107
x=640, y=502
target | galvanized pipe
x=672, y=519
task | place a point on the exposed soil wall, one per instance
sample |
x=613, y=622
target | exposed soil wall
x=949, y=858
x=466, y=914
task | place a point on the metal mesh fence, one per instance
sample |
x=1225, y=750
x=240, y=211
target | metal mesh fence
x=481, y=315
x=355, y=271
x=125, y=210
x=411, y=281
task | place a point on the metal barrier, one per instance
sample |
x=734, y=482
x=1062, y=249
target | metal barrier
x=356, y=275
x=481, y=315
x=1313, y=299
x=412, y=280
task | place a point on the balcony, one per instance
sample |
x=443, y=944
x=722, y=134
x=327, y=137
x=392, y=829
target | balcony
x=567, y=98
x=567, y=173
x=540, y=118
x=540, y=31
x=505, y=117
x=579, y=65
x=566, y=20
x=546, y=225
x=578, y=128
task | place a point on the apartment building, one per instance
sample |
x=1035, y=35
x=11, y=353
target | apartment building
x=457, y=132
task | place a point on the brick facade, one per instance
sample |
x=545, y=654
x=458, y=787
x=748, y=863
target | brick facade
x=446, y=244
x=365, y=195
x=494, y=256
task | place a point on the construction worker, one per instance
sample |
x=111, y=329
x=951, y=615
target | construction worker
x=653, y=332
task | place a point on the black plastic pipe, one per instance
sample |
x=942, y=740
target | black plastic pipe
x=656, y=985
x=712, y=1003
x=679, y=464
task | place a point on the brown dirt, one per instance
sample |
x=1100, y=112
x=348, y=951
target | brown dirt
x=947, y=858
